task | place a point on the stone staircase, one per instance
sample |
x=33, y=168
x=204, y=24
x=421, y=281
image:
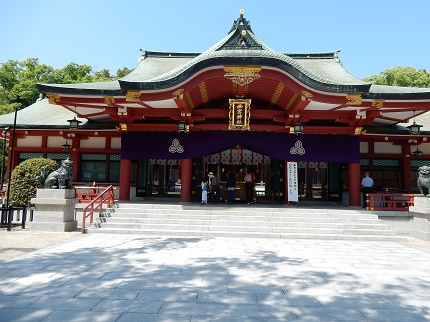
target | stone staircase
x=256, y=221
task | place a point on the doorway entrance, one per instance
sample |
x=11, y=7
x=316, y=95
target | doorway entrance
x=313, y=183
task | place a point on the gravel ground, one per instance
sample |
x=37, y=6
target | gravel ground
x=20, y=241
x=418, y=243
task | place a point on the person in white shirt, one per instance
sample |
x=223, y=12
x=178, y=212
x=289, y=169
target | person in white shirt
x=367, y=185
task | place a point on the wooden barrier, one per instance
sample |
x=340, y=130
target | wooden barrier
x=86, y=194
x=390, y=201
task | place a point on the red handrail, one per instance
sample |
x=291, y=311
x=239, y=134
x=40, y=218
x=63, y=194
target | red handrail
x=106, y=197
x=390, y=201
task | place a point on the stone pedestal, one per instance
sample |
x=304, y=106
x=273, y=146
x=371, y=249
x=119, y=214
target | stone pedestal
x=54, y=210
x=420, y=227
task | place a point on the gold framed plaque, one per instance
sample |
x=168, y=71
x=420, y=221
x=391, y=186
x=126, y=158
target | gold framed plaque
x=239, y=114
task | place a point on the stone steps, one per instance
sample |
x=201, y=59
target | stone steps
x=356, y=224
x=256, y=221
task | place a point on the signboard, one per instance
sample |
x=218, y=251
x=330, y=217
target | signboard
x=293, y=186
x=240, y=112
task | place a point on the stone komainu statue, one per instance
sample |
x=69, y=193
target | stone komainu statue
x=424, y=180
x=58, y=179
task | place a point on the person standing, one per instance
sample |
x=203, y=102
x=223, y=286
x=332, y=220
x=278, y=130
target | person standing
x=214, y=184
x=249, y=187
x=231, y=187
x=205, y=187
x=367, y=185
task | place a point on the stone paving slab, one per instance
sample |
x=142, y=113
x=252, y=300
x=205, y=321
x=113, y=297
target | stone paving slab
x=141, y=278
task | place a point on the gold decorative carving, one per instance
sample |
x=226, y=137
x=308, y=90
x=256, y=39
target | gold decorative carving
x=109, y=100
x=133, y=96
x=53, y=98
x=292, y=100
x=190, y=101
x=306, y=96
x=239, y=114
x=179, y=93
x=242, y=75
x=122, y=127
x=353, y=99
x=358, y=130
x=378, y=103
x=277, y=93
x=203, y=92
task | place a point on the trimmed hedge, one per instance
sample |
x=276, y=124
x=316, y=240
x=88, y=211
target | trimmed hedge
x=23, y=184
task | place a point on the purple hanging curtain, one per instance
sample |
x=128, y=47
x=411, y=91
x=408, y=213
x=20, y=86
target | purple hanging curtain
x=284, y=146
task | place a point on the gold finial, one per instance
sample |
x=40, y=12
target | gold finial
x=242, y=12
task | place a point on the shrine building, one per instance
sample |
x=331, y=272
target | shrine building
x=237, y=106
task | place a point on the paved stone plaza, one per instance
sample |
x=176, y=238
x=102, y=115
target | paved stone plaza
x=135, y=278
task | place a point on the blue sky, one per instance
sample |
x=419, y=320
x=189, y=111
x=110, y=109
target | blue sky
x=374, y=34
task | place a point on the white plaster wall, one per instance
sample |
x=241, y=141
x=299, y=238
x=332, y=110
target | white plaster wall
x=364, y=147
x=30, y=141
x=387, y=148
x=115, y=143
x=95, y=143
x=424, y=147
x=56, y=142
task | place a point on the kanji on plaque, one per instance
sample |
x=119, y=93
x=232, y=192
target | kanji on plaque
x=239, y=114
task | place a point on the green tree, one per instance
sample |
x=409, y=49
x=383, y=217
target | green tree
x=18, y=80
x=401, y=76
x=120, y=73
x=23, y=185
x=103, y=75
x=18, y=83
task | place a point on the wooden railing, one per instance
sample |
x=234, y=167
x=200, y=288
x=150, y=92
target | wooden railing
x=390, y=201
x=86, y=194
x=106, y=197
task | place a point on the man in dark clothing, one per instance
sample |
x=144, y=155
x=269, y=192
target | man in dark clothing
x=214, y=184
x=249, y=187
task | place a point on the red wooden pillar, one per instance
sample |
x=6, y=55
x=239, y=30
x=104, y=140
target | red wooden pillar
x=186, y=177
x=354, y=184
x=74, y=156
x=124, y=180
x=406, y=179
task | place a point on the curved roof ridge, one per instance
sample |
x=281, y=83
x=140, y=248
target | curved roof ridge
x=109, y=87
x=306, y=71
x=266, y=51
x=321, y=55
x=175, y=71
x=180, y=69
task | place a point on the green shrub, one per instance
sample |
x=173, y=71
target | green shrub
x=23, y=184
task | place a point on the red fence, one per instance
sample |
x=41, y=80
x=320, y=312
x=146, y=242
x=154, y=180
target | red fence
x=106, y=197
x=390, y=201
